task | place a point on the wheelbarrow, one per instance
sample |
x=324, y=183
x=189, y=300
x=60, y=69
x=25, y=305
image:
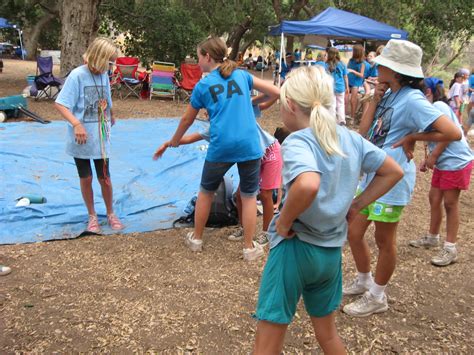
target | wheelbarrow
x=16, y=105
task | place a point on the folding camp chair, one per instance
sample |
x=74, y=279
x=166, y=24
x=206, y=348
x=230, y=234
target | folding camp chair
x=190, y=74
x=162, y=80
x=46, y=85
x=126, y=79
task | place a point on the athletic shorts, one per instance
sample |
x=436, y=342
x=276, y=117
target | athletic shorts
x=382, y=212
x=249, y=174
x=452, y=179
x=84, y=167
x=270, y=170
x=294, y=269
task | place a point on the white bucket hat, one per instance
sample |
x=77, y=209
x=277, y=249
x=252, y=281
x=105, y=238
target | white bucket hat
x=403, y=57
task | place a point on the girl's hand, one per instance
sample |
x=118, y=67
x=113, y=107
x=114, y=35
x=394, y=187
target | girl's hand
x=423, y=168
x=379, y=91
x=80, y=134
x=408, y=145
x=284, y=231
x=431, y=161
x=353, y=211
x=159, y=152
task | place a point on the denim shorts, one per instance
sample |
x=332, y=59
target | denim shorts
x=249, y=173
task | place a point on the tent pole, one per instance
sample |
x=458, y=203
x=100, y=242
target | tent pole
x=282, y=39
x=21, y=45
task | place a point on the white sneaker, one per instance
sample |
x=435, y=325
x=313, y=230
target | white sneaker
x=4, y=270
x=354, y=288
x=445, y=257
x=251, y=254
x=425, y=242
x=366, y=305
x=237, y=235
x=193, y=244
x=262, y=238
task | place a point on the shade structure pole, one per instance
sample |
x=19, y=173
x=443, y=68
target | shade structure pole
x=282, y=39
x=21, y=45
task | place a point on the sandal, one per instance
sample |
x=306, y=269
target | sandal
x=93, y=224
x=114, y=222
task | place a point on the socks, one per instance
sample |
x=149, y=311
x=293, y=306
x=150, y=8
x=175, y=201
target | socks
x=365, y=278
x=449, y=246
x=377, y=291
x=433, y=236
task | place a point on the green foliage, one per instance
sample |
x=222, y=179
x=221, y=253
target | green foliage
x=153, y=30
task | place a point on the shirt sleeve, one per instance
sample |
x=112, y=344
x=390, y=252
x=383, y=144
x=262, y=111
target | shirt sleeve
x=372, y=156
x=205, y=134
x=69, y=94
x=421, y=112
x=344, y=69
x=249, y=80
x=197, y=101
x=298, y=158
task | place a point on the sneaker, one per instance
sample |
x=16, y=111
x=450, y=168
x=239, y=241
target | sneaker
x=425, y=242
x=93, y=225
x=254, y=253
x=4, y=270
x=114, y=222
x=237, y=235
x=262, y=238
x=366, y=305
x=445, y=257
x=193, y=244
x=354, y=288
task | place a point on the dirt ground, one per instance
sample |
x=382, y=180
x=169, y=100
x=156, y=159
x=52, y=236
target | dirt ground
x=146, y=292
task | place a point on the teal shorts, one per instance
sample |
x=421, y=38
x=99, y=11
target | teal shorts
x=294, y=269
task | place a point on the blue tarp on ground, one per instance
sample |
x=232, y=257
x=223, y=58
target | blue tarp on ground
x=338, y=24
x=149, y=195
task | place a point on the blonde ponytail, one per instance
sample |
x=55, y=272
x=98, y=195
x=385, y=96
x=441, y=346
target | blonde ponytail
x=312, y=90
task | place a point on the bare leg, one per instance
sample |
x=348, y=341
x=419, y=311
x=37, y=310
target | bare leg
x=359, y=247
x=107, y=194
x=385, y=237
x=269, y=339
x=326, y=334
x=436, y=198
x=354, y=99
x=249, y=219
x=88, y=194
x=201, y=213
x=451, y=205
x=266, y=196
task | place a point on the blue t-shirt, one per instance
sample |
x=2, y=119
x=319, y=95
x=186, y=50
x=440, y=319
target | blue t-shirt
x=233, y=129
x=297, y=55
x=471, y=83
x=371, y=71
x=322, y=64
x=324, y=222
x=355, y=81
x=338, y=74
x=458, y=153
x=397, y=115
x=80, y=94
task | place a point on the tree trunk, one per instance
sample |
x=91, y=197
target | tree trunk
x=79, y=21
x=31, y=35
x=236, y=37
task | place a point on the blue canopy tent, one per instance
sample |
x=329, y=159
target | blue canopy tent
x=5, y=24
x=338, y=25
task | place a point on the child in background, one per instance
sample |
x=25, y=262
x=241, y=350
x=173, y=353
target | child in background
x=233, y=137
x=392, y=123
x=321, y=60
x=322, y=164
x=338, y=70
x=85, y=102
x=456, y=94
x=356, y=69
x=452, y=166
x=270, y=170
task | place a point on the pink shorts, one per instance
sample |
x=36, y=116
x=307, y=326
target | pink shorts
x=270, y=170
x=452, y=179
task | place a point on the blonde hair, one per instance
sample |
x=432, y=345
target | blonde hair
x=217, y=50
x=311, y=89
x=99, y=53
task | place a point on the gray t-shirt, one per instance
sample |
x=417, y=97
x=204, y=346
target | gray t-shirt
x=324, y=222
x=80, y=94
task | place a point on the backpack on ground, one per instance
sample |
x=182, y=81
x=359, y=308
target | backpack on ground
x=223, y=210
